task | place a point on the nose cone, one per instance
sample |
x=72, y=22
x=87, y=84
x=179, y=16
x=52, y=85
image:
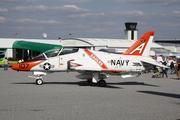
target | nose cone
x=21, y=67
x=26, y=66
x=15, y=67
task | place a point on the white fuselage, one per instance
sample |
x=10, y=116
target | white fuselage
x=93, y=61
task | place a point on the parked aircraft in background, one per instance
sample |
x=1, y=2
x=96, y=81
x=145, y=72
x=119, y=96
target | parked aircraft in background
x=92, y=65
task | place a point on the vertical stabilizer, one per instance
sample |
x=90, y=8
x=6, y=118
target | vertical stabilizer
x=142, y=46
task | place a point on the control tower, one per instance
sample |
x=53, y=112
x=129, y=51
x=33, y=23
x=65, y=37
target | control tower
x=131, y=31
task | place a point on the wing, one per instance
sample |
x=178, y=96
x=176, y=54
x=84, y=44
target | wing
x=82, y=65
x=34, y=46
x=168, y=41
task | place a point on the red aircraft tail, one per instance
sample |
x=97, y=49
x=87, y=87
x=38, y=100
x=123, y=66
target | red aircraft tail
x=142, y=46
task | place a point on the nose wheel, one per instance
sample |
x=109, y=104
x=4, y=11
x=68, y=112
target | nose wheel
x=39, y=81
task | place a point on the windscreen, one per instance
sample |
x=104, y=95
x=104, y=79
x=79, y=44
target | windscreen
x=69, y=50
x=40, y=57
x=53, y=52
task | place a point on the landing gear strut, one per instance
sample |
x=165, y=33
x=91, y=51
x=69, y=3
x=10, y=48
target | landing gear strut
x=39, y=80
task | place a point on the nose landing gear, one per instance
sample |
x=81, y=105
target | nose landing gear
x=39, y=79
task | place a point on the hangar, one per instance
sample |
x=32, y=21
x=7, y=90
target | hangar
x=15, y=48
x=96, y=44
x=12, y=48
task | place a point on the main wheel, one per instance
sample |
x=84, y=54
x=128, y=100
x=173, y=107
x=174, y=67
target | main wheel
x=102, y=83
x=89, y=81
x=39, y=81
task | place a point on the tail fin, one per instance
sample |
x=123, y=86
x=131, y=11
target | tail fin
x=142, y=46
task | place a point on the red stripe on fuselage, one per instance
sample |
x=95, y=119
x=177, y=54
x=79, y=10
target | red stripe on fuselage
x=95, y=58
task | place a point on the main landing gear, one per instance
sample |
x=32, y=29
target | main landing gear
x=101, y=83
x=94, y=78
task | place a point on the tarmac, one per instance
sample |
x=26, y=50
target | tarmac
x=65, y=97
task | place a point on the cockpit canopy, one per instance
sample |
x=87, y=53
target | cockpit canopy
x=52, y=53
x=56, y=52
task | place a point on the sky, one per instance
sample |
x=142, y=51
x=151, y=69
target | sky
x=88, y=18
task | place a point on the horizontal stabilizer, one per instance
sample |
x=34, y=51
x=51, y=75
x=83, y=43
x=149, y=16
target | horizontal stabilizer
x=154, y=63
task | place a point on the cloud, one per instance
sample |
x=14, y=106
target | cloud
x=98, y=30
x=110, y=23
x=137, y=13
x=170, y=24
x=84, y=15
x=30, y=8
x=176, y=13
x=15, y=1
x=42, y=8
x=35, y=21
x=61, y=20
x=3, y=10
x=108, y=14
x=2, y=19
x=29, y=21
x=32, y=1
x=76, y=1
x=73, y=8
x=27, y=24
x=152, y=2
x=21, y=28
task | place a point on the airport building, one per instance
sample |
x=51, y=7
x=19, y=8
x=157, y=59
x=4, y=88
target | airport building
x=15, y=50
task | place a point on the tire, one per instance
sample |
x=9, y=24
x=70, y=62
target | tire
x=39, y=81
x=102, y=83
x=89, y=81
